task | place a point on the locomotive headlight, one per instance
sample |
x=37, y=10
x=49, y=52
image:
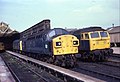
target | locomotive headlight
x=58, y=43
x=75, y=43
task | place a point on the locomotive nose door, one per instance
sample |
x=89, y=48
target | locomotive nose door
x=67, y=44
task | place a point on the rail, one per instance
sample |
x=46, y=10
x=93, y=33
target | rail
x=12, y=72
x=65, y=73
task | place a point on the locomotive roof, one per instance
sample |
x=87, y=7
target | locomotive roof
x=47, y=31
x=89, y=29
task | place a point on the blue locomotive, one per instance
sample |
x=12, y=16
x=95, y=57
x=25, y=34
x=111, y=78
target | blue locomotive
x=55, y=46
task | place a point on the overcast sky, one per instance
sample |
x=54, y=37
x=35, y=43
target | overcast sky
x=22, y=14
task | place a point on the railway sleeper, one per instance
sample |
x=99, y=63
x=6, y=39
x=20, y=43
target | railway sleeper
x=56, y=74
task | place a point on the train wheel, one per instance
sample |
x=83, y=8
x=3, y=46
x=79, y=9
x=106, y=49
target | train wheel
x=94, y=58
x=37, y=56
x=29, y=55
x=105, y=58
x=71, y=62
x=74, y=60
x=63, y=64
x=56, y=62
x=99, y=58
x=50, y=60
x=102, y=57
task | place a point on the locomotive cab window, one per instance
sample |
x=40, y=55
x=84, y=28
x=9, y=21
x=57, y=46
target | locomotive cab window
x=86, y=36
x=81, y=36
x=60, y=31
x=52, y=33
x=94, y=35
x=103, y=34
x=56, y=32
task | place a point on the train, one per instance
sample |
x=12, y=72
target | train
x=114, y=36
x=54, y=46
x=2, y=47
x=94, y=43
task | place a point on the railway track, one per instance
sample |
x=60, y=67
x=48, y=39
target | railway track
x=104, y=71
x=113, y=60
x=111, y=64
x=10, y=69
x=92, y=69
x=116, y=55
x=58, y=72
x=23, y=72
x=98, y=70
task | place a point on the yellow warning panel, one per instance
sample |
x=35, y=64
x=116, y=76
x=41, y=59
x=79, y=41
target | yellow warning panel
x=20, y=45
x=65, y=44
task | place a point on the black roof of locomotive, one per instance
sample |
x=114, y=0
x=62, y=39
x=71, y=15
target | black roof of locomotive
x=48, y=31
x=89, y=29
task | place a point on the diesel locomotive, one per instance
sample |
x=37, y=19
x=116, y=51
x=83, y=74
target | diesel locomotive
x=94, y=43
x=55, y=46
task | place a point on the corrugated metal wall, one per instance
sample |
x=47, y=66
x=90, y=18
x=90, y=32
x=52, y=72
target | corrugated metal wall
x=115, y=37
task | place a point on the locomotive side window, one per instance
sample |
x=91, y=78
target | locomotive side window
x=94, y=35
x=81, y=36
x=86, y=36
x=103, y=34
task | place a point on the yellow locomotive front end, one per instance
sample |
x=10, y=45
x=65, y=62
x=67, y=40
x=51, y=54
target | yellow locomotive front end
x=100, y=45
x=65, y=44
x=94, y=43
x=64, y=49
x=99, y=40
